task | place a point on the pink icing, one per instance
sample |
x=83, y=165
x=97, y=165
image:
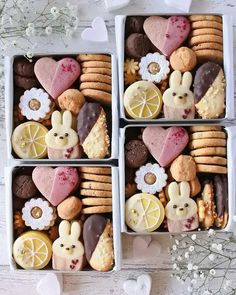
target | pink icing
x=61, y=263
x=178, y=226
x=174, y=113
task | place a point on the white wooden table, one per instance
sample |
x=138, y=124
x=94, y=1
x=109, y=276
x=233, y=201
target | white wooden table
x=23, y=283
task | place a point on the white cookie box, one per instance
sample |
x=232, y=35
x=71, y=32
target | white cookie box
x=231, y=158
x=227, y=67
x=9, y=97
x=9, y=172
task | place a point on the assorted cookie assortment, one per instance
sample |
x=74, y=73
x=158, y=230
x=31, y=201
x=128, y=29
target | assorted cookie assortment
x=62, y=107
x=173, y=67
x=63, y=218
x=176, y=178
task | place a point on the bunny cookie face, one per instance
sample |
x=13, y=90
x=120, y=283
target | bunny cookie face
x=178, y=99
x=67, y=250
x=61, y=136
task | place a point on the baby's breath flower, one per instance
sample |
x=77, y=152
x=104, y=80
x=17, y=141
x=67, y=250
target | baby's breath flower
x=48, y=30
x=174, y=247
x=29, y=54
x=54, y=11
x=177, y=242
x=211, y=232
x=211, y=257
x=30, y=25
x=194, y=236
x=186, y=255
x=191, y=248
x=174, y=266
x=190, y=266
x=212, y=272
x=195, y=267
x=179, y=258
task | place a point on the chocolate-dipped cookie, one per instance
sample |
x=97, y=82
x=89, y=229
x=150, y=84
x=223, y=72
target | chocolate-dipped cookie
x=221, y=196
x=98, y=242
x=209, y=91
x=92, y=131
x=137, y=45
x=136, y=154
x=24, y=68
x=134, y=24
x=23, y=187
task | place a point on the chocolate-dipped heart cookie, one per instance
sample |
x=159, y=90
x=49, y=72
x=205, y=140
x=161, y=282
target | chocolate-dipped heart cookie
x=98, y=242
x=209, y=91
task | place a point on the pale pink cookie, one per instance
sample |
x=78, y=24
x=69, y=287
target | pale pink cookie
x=56, y=76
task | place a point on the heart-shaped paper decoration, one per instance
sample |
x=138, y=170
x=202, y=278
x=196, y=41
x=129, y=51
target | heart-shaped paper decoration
x=182, y=5
x=165, y=144
x=167, y=34
x=56, y=76
x=55, y=184
x=50, y=284
x=142, y=286
x=98, y=31
x=144, y=248
x=116, y=4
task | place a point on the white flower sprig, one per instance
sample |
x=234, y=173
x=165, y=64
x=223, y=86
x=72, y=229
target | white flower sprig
x=204, y=261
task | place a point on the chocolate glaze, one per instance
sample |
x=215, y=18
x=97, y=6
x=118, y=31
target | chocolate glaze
x=136, y=154
x=204, y=78
x=221, y=194
x=137, y=45
x=92, y=230
x=24, y=187
x=87, y=118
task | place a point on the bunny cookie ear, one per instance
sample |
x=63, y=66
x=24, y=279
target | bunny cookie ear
x=187, y=80
x=64, y=228
x=175, y=79
x=184, y=189
x=173, y=190
x=56, y=118
x=75, y=230
x=67, y=119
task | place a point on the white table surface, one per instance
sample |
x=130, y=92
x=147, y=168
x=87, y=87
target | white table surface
x=23, y=283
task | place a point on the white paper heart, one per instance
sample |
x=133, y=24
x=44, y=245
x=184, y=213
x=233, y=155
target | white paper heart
x=182, y=5
x=97, y=32
x=50, y=284
x=141, y=286
x=116, y=4
x=145, y=248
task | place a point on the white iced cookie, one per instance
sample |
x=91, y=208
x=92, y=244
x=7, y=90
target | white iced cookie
x=68, y=251
x=154, y=67
x=181, y=210
x=150, y=178
x=35, y=104
x=38, y=214
x=178, y=98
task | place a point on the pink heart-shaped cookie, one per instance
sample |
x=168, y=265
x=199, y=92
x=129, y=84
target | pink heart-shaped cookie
x=165, y=144
x=56, y=76
x=55, y=184
x=167, y=34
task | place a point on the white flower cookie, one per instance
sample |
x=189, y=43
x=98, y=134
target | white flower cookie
x=154, y=67
x=35, y=104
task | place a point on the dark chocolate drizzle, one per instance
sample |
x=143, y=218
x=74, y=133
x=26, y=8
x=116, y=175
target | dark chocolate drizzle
x=93, y=228
x=204, y=78
x=87, y=118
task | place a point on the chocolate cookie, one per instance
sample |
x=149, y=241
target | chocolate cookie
x=221, y=195
x=23, y=187
x=25, y=82
x=24, y=68
x=137, y=45
x=136, y=154
x=134, y=24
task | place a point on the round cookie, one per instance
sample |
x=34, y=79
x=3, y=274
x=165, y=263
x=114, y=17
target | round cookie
x=183, y=168
x=97, y=209
x=205, y=38
x=136, y=154
x=206, y=24
x=96, y=185
x=208, y=134
x=200, y=128
x=69, y=208
x=23, y=187
x=71, y=100
x=94, y=177
x=103, y=71
x=95, y=193
x=96, y=85
x=208, y=45
x=211, y=169
x=93, y=57
x=205, y=55
x=23, y=67
x=97, y=201
x=96, y=64
x=206, y=142
x=134, y=24
x=206, y=31
x=204, y=17
x=183, y=59
x=95, y=78
x=209, y=151
x=98, y=96
x=25, y=82
x=211, y=160
x=95, y=170
x=137, y=45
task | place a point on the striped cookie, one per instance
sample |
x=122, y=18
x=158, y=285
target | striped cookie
x=97, y=201
x=98, y=96
x=93, y=57
x=211, y=160
x=206, y=24
x=97, y=178
x=209, y=151
x=206, y=142
x=207, y=134
x=199, y=128
x=103, y=71
x=205, y=38
x=208, y=45
x=95, y=193
x=96, y=85
x=96, y=64
x=95, y=78
x=97, y=209
x=211, y=169
x=96, y=185
x=205, y=17
x=95, y=170
x=206, y=55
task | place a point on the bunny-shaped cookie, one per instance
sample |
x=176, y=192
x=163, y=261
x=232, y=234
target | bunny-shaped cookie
x=181, y=210
x=178, y=99
x=68, y=251
x=62, y=140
